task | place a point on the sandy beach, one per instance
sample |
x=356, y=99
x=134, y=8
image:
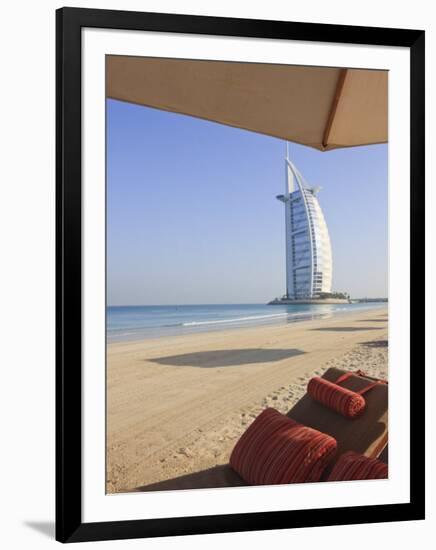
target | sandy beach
x=177, y=405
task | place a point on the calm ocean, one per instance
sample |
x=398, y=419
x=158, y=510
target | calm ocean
x=139, y=322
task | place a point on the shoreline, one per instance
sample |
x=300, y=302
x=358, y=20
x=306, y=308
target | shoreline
x=176, y=405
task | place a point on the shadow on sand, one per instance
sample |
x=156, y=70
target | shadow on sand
x=227, y=358
x=381, y=320
x=375, y=344
x=345, y=329
x=215, y=477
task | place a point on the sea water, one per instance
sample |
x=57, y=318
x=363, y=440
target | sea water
x=127, y=323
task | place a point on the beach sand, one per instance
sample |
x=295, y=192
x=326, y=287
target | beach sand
x=177, y=405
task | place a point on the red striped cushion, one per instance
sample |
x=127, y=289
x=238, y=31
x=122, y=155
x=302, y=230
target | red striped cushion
x=352, y=465
x=275, y=449
x=340, y=399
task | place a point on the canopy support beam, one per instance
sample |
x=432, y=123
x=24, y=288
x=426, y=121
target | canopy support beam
x=334, y=107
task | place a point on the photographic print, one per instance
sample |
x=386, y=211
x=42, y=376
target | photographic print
x=239, y=275
x=247, y=274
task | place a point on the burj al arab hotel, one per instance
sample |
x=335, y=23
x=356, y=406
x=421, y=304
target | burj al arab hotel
x=308, y=249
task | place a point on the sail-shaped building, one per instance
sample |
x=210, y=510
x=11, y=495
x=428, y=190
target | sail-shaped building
x=308, y=248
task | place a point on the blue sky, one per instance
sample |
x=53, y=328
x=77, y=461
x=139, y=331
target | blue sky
x=192, y=216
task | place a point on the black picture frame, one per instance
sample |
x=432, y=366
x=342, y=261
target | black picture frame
x=69, y=525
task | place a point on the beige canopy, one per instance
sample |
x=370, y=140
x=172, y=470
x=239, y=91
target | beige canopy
x=321, y=107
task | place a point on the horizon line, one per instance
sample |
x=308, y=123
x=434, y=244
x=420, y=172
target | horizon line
x=229, y=303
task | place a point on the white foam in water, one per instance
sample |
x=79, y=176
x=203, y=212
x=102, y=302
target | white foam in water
x=251, y=318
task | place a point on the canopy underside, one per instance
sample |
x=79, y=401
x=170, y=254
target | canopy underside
x=322, y=107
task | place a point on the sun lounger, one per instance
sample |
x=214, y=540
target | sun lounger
x=384, y=456
x=367, y=434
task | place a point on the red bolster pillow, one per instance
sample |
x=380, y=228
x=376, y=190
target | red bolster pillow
x=340, y=399
x=352, y=465
x=275, y=449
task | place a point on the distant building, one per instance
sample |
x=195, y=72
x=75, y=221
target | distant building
x=308, y=249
